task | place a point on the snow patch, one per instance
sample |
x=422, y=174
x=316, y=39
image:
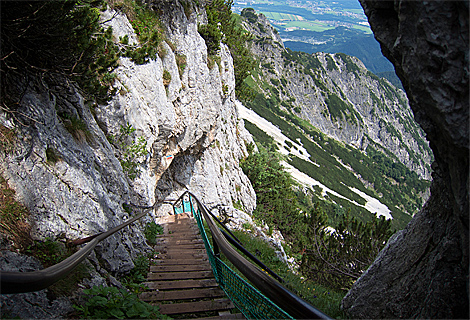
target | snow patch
x=372, y=205
x=273, y=132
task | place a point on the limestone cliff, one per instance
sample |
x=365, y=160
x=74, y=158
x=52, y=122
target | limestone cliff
x=423, y=270
x=189, y=125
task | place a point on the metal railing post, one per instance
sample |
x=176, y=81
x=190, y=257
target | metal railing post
x=191, y=206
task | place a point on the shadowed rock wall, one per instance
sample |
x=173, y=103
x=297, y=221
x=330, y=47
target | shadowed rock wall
x=423, y=270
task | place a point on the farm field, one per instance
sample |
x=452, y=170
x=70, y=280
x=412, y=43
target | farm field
x=328, y=25
x=321, y=15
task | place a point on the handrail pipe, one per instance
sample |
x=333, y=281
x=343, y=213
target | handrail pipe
x=276, y=292
x=20, y=282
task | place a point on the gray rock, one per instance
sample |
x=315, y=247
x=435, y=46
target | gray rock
x=423, y=270
x=82, y=193
x=34, y=305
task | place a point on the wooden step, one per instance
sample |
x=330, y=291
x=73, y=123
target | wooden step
x=180, y=275
x=225, y=315
x=191, y=223
x=204, y=293
x=188, y=261
x=180, y=279
x=181, y=284
x=182, y=256
x=172, y=218
x=193, y=307
x=179, y=243
x=181, y=247
x=165, y=241
x=179, y=237
x=183, y=228
x=174, y=241
x=186, y=252
x=202, y=266
x=183, y=222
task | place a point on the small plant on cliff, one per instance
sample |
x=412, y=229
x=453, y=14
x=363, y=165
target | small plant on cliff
x=138, y=274
x=149, y=31
x=131, y=152
x=166, y=78
x=188, y=8
x=52, y=155
x=48, y=251
x=181, y=62
x=76, y=127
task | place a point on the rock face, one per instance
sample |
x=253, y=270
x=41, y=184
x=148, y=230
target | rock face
x=21, y=304
x=190, y=124
x=339, y=96
x=423, y=270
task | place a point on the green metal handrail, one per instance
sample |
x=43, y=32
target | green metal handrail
x=269, y=300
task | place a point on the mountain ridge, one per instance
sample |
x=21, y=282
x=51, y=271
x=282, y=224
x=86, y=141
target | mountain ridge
x=345, y=117
x=302, y=78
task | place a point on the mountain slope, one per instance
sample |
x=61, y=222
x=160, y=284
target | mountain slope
x=356, y=128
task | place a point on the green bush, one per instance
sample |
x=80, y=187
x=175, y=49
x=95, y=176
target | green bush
x=48, y=251
x=112, y=303
x=131, y=152
x=330, y=63
x=276, y=203
x=323, y=298
x=260, y=136
x=350, y=65
x=150, y=33
x=151, y=231
x=57, y=37
x=138, y=274
x=212, y=36
x=338, y=258
x=322, y=254
x=250, y=14
x=166, y=77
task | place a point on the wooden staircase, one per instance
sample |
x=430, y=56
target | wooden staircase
x=180, y=280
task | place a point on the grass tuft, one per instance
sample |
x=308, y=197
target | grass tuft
x=7, y=139
x=13, y=217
